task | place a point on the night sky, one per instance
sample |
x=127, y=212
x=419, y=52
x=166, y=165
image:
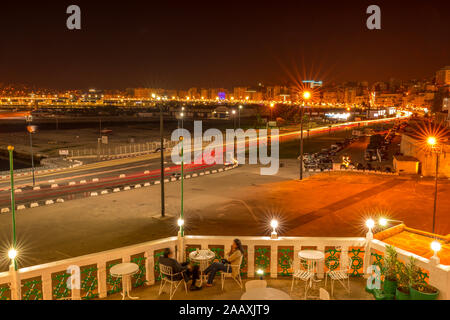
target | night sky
x=219, y=43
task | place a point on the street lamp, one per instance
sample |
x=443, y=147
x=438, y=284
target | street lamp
x=306, y=96
x=161, y=132
x=181, y=220
x=435, y=148
x=31, y=130
x=271, y=107
x=12, y=253
x=239, y=110
x=234, y=118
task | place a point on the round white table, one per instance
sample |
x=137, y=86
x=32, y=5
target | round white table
x=265, y=294
x=203, y=258
x=125, y=271
x=312, y=257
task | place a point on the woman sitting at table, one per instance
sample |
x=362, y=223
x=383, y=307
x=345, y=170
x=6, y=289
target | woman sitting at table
x=231, y=258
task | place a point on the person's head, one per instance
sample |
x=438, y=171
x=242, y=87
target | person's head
x=168, y=253
x=237, y=244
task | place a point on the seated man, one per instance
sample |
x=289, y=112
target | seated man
x=189, y=271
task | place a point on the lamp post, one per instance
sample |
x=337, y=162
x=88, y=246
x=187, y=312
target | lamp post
x=234, y=118
x=436, y=149
x=182, y=188
x=239, y=114
x=271, y=107
x=306, y=96
x=161, y=132
x=31, y=130
x=12, y=253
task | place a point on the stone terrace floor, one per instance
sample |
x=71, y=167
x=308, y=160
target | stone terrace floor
x=232, y=292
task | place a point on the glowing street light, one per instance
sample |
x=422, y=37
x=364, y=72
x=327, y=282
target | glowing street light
x=435, y=148
x=306, y=95
x=383, y=222
x=12, y=254
x=274, y=225
x=239, y=115
x=431, y=141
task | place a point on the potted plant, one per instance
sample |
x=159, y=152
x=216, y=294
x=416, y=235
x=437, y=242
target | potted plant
x=405, y=274
x=390, y=271
x=420, y=290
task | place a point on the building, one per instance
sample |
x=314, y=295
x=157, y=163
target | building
x=443, y=76
x=411, y=146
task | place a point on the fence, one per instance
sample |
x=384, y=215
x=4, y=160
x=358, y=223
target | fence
x=276, y=257
x=131, y=149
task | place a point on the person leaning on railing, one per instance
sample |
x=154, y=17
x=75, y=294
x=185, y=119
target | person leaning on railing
x=231, y=258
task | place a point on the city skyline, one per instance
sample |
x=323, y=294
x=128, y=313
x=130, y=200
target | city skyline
x=211, y=45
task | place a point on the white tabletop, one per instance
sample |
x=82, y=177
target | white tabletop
x=311, y=255
x=265, y=294
x=124, y=269
x=202, y=255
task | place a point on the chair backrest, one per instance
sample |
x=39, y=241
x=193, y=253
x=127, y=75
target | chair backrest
x=347, y=265
x=306, y=265
x=240, y=262
x=255, y=284
x=323, y=294
x=166, y=270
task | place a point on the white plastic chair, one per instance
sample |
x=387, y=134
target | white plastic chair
x=342, y=275
x=305, y=273
x=237, y=278
x=167, y=276
x=323, y=294
x=255, y=284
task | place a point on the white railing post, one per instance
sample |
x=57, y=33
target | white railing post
x=367, y=253
x=150, y=267
x=320, y=263
x=251, y=261
x=15, y=287
x=181, y=247
x=273, y=261
x=47, y=289
x=296, y=262
x=102, y=278
x=439, y=277
x=344, y=257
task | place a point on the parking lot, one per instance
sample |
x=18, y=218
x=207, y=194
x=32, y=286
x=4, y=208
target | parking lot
x=365, y=150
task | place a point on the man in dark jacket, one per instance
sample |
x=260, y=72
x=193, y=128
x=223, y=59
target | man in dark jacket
x=188, y=271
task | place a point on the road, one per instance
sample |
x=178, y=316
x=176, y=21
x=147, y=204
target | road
x=107, y=175
x=81, y=181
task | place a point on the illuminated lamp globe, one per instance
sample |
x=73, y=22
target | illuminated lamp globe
x=435, y=246
x=12, y=254
x=383, y=222
x=274, y=224
x=431, y=141
x=370, y=223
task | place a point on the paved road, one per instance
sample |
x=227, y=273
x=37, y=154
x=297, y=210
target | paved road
x=81, y=181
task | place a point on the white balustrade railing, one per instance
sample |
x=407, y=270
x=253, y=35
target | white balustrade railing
x=261, y=252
